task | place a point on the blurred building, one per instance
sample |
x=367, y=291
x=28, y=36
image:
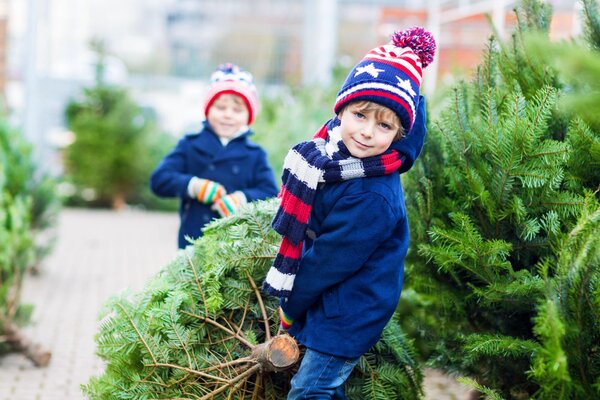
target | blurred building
x=165, y=50
x=265, y=36
x=272, y=37
x=463, y=28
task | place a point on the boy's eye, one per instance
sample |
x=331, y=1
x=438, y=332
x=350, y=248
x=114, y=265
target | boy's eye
x=385, y=125
x=359, y=114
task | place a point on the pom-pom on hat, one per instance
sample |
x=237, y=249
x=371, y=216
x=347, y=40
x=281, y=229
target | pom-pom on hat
x=229, y=78
x=391, y=74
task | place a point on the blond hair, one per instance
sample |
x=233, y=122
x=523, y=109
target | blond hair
x=381, y=112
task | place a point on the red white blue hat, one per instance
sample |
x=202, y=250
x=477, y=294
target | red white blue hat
x=230, y=78
x=391, y=74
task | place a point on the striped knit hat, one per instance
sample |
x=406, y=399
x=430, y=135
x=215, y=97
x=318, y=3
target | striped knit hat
x=229, y=78
x=390, y=75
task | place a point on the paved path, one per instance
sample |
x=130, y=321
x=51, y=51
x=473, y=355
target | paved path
x=99, y=254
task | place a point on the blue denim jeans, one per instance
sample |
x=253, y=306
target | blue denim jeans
x=321, y=376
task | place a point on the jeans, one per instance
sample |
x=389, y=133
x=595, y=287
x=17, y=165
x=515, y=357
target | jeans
x=321, y=376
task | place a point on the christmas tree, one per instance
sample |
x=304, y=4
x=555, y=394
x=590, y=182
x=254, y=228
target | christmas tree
x=198, y=329
x=111, y=133
x=496, y=197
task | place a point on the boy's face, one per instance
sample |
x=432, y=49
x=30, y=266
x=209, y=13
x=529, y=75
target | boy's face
x=227, y=115
x=367, y=132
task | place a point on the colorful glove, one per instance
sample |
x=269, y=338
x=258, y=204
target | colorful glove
x=286, y=322
x=228, y=205
x=205, y=190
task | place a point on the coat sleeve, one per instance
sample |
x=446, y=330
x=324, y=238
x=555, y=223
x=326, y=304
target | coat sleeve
x=263, y=183
x=350, y=234
x=170, y=178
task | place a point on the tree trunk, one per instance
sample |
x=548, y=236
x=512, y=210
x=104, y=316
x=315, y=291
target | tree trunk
x=35, y=352
x=118, y=202
x=277, y=354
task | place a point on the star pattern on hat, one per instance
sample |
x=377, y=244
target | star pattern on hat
x=405, y=84
x=370, y=69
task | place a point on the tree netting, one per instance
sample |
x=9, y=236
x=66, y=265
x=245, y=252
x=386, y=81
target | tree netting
x=193, y=332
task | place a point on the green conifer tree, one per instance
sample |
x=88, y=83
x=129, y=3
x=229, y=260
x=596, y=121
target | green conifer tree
x=192, y=333
x=568, y=322
x=18, y=194
x=116, y=142
x=494, y=195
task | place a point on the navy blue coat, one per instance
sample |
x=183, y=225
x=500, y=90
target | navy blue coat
x=240, y=165
x=351, y=271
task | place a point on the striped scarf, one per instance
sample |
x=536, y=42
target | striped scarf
x=323, y=159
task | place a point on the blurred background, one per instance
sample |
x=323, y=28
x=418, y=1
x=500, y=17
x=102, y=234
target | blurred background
x=163, y=51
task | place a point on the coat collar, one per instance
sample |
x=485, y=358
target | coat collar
x=208, y=142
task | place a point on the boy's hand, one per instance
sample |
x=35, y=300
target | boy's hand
x=205, y=190
x=285, y=321
x=229, y=204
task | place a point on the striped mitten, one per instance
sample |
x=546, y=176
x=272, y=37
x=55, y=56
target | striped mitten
x=205, y=190
x=285, y=321
x=227, y=205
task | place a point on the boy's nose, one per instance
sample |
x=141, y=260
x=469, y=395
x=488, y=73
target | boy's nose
x=367, y=131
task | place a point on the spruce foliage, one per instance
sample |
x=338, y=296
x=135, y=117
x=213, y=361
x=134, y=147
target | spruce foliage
x=28, y=209
x=190, y=332
x=492, y=290
x=592, y=23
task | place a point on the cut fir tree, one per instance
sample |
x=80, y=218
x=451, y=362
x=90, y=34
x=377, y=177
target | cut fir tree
x=201, y=329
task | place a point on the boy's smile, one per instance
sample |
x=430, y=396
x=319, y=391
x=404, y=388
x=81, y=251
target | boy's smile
x=227, y=115
x=366, y=133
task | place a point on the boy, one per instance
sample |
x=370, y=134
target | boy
x=219, y=169
x=340, y=266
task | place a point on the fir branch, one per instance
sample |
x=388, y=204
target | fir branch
x=592, y=23
x=262, y=307
x=138, y=332
x=188, y=370
x=495, y=345
x=223, y=328
x=231, y=382
x=193, y=268
x=487, y=392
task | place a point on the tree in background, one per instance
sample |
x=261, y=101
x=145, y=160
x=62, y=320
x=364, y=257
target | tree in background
x=500, y=288
x=116, y=144
x=577, y=65
x=24, y=178
x=28, y=209
x=194, y=331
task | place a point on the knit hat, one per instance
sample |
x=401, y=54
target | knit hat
x=391, y=74
x=229, y=78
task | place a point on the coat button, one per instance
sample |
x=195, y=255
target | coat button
x=235, y=170
x=211, y=167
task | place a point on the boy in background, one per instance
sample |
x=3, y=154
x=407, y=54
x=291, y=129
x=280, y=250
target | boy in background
x=218, y=169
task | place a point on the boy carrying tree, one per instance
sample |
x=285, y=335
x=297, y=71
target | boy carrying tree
x=340, y=266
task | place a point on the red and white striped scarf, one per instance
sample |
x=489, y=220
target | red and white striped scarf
x=326, y=159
